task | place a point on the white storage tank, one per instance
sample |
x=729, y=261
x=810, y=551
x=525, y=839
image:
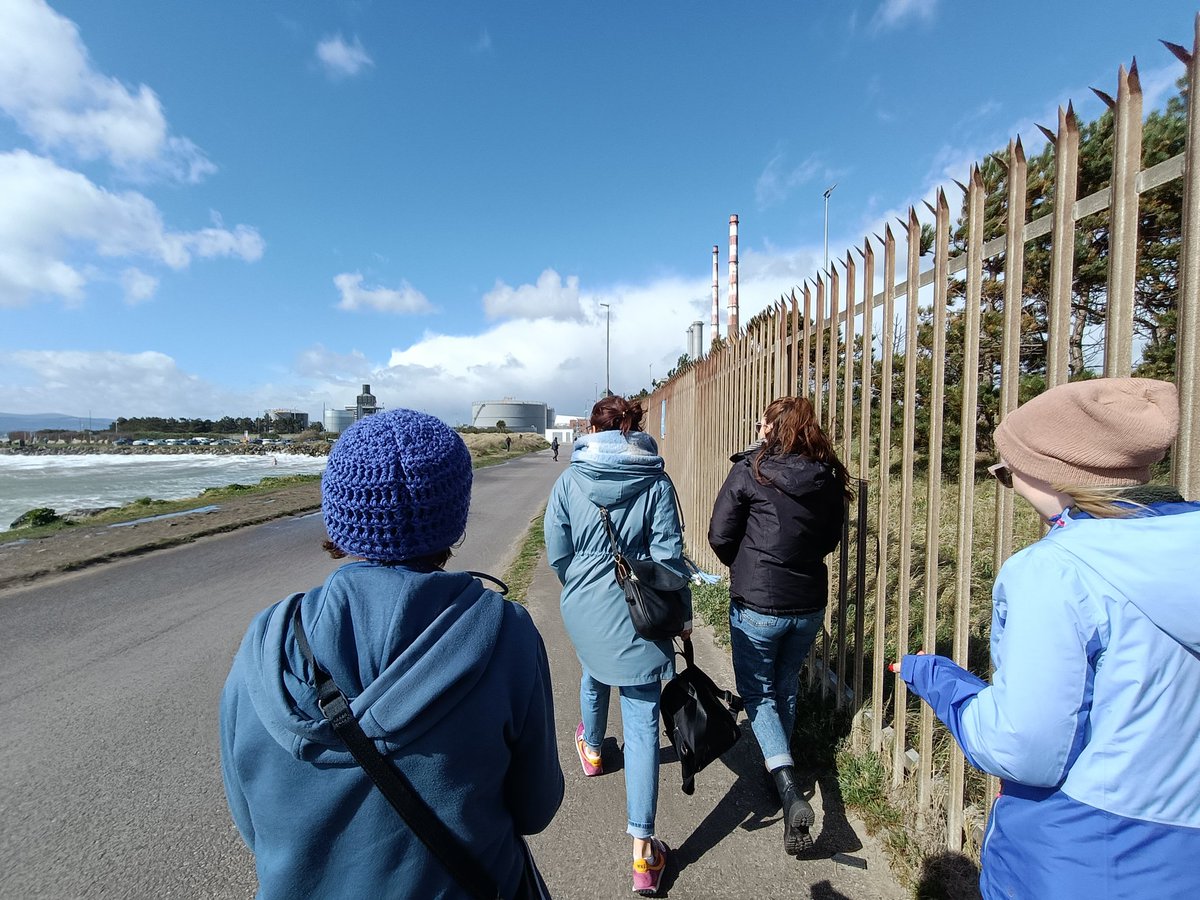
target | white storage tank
x=517, y=415
x=338, y=420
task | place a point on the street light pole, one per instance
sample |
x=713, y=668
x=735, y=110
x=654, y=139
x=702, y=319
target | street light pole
x=607, y=333
x=828, y=191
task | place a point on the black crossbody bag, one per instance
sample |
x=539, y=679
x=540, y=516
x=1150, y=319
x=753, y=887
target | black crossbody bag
x=657, y=598
x=395, y=786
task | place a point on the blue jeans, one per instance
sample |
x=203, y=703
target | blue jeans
x=768, y=652
x=639, y=721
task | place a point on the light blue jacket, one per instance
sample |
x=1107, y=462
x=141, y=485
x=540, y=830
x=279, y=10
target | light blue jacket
x=1092, y=718
x=625, y=476
x=451, y=682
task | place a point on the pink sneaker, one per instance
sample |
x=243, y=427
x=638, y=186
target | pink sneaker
x=589, y=760
x=648, y=873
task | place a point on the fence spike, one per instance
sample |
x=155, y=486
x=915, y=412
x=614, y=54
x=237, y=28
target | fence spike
x=1180, y=53
x=929, y=207
x=1050, y=135
x=1070, y=109
x=962, y=186
x=878, y=238
x=1108, y=100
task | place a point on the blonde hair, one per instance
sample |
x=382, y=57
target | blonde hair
x=1102, y=501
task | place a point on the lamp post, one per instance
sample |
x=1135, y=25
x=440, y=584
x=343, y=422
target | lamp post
x=607, y=332
x=828, y=191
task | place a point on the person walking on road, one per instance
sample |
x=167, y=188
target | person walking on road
x=1092, y=716
x=617, y=466
x=448, y=680
x=554, y=447
x=777, y=516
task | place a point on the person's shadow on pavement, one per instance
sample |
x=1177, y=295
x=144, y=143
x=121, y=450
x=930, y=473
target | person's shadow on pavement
x=836, y=834
x=750, y=804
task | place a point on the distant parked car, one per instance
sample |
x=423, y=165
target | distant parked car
x=123, y=442
x=142, y=442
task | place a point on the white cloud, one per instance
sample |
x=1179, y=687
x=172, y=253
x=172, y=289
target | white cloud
x=56, y=97
x=139, y=287
x=549, y=298
x=341, y=59
x=56, y=226
x=559, y=361
x=406, y=299
x=146, y=383
x=778, y=179
x=893, y=12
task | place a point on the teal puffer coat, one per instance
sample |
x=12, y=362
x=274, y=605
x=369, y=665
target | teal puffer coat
x=626, y=476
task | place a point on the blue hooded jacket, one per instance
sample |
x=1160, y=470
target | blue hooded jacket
x=1092, y=718
x=627, y=477
x=452, y=684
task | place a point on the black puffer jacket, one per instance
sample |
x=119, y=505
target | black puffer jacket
x=774, y=537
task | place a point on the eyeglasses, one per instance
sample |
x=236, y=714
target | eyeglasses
x=758, y=427
x=1002, y=473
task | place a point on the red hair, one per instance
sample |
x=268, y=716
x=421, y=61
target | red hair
x=795, y=429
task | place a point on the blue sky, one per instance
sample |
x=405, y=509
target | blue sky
x=214, y=208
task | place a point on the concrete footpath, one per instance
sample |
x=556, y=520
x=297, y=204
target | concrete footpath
x=726, y=839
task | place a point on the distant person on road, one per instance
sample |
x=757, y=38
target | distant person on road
x=1092, y=717
x=448, y=679
x=617, y=465
x=554, y=447
x=507, y=443
x=777, y=516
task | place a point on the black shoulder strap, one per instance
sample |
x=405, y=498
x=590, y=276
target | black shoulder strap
x=678, y=506
x=503, y=592
x=429, y=829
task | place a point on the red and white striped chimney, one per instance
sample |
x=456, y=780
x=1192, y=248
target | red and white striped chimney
x=716, y=307
x=732, y=327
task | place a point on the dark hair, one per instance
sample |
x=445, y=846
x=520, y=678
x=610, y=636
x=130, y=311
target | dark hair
x=613, y=413
x=795, y=429
x=429, y=561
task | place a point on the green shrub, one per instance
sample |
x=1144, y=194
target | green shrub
x=34, y=518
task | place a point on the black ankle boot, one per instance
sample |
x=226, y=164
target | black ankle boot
x=798, y=816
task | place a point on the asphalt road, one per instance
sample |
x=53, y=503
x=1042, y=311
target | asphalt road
x=110, y=678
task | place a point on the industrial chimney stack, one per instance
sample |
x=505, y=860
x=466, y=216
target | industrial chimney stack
x=732, y=328
x=716, y=306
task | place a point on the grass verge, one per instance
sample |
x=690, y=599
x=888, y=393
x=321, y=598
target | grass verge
x=482, y=456
x=519, y=575
x=146, y=506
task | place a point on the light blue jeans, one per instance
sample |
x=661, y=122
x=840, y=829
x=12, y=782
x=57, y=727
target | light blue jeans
x=768, y=652
x=639, y=722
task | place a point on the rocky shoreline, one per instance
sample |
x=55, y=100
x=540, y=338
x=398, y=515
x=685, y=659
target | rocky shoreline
x=319, y=448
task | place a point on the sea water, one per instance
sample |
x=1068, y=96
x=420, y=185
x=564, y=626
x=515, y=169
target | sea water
x=66, y=483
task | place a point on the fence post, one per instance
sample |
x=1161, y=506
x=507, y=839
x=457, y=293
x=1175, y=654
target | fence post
x=1187, y=333
x=1062, y=244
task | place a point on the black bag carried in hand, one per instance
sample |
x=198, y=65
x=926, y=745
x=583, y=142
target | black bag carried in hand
x=658, y=599
x=699, y=718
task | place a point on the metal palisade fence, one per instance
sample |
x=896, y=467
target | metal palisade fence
x=873, y=356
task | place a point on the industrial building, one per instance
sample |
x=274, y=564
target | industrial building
x=517, y=415
x=287, y=421
x=338, y=420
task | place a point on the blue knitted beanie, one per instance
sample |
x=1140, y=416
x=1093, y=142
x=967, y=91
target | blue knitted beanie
x=397, y=486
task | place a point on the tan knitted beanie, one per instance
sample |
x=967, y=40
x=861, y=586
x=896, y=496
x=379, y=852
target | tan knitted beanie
x=1106, y=431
